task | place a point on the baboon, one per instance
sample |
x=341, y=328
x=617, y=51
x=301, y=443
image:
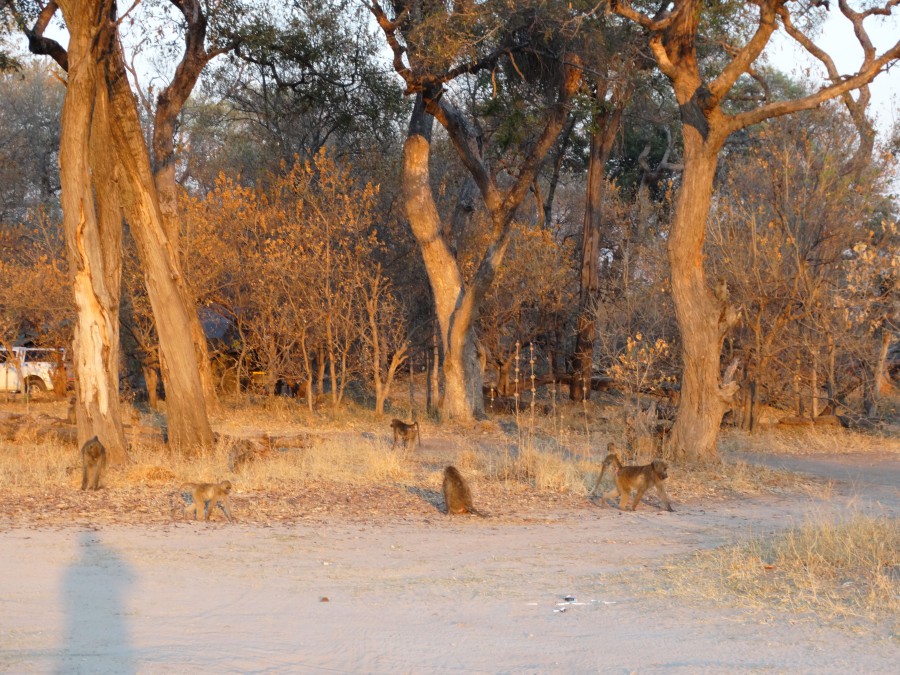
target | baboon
x=611, y=451
x=405, y=432
x=70, y=413
x=93, y=463
x=457, y=495
x=206, y=495
x=637, y=478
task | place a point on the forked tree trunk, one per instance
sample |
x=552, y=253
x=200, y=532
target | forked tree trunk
x=462, y=372
x=94, y=243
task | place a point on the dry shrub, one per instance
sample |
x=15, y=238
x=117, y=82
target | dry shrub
x=834, y=569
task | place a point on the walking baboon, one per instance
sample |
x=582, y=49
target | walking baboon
x=457, y=495
x=93, y=463
x=206, y=495
x=405, y=432
x=637, y=478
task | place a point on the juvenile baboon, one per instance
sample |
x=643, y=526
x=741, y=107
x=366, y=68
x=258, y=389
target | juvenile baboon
x=457, y=495
x=206, y=495
x=637, y=478
x=611, y=451
x=93, y=463
x=405, y=432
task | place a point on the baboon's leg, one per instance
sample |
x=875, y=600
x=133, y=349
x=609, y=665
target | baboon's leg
x=610, y=494
x=224, y=506
x=663, y=497
x=208, y=506
x=639, y=492
x=624, y=493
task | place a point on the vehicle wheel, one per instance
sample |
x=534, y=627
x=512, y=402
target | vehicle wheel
x=35, y=384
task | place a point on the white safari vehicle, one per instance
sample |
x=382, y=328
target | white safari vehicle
x=34, y=366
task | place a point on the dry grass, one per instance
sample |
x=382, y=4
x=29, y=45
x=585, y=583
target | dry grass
x=835, y=570
x=810, y=441
x=554, y=455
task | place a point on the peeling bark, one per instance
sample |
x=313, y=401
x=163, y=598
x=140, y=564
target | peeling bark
x=93, y=241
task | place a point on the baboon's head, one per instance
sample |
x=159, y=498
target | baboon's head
x=660, y=469
x=226, y=486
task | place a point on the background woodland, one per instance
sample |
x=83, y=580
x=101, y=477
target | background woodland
x=298, y=216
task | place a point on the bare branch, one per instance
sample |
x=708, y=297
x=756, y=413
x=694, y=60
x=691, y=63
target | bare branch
x=389, y=28
x=779, y=108
x=744, y=59
x=37, y=43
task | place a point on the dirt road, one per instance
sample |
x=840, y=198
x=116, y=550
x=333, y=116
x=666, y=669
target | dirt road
x=428, y=595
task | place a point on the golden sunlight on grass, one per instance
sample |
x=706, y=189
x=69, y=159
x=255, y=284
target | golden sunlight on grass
x=849, y=568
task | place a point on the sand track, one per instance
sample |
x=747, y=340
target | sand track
x=424, y=595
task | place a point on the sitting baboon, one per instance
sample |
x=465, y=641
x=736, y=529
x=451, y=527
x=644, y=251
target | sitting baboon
x=457, y=495
x=93, y=463
x=70, y=413
x=405, y=432
x=637, y=478
x=206, y=495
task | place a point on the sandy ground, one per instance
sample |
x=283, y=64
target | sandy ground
x=425, y=594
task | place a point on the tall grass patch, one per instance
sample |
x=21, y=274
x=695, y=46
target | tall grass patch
x=832, y=569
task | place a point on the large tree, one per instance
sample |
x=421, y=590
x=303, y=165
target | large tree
x=432, y=46
x=123, y=182
x=675, y=33
x=200, y=47
x=93, y=225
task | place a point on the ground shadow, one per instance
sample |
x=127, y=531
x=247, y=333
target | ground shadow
x=433, y=497
x=94, y=588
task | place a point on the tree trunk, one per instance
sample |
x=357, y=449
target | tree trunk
x=167, y=189
x=831, y=381
x=882, y=381
x=604, y=128
x=702, y=321
x=151, y=379
x=94, y=244
x=798, y=399
x=434, y=369
x=461, y=368
x=814, y=385
x=170, y=103
x=186, y=416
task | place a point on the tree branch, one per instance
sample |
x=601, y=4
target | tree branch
x=779, y=108
x=745, y=57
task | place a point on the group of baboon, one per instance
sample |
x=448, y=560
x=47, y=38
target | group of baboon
x=454, y=488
